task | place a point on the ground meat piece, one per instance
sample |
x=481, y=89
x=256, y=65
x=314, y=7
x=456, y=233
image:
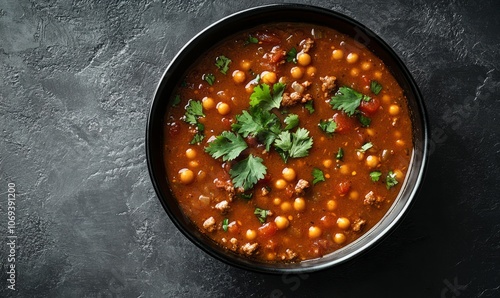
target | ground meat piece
x=249, y=249
x=264, y=191
x=301, y=185
x=209, y=224
x=290, y=254
x=372, y=200
x=222, y=206
x=358, y=224
x=328, y=84
x=306, y=44
x=289, y=99
x=234, y=244
x=227, y=186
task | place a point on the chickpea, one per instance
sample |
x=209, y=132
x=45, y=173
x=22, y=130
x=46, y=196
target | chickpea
x=366, y=65
x=296, y=72
x=386, y=98
x=393, y=110
x=280, y=184
x=399, y=174
x=245, y=64
x=299, y=204
x=353, y=195
x=311, y=71
x=352, y=58
x=286, y=206
x=372, y=161
x=238, y=76
x=193, y=164
x=281, y=222
x=377, y=74
x=303, y=59
x=276, y=201
x=343, y=223
x=397, y=134
x=400, y=143
x=339, y=238
x=337, y=54
x=331, y=205
x=186, y=176
x=208, y=103
x=344, y=169
x=370, y=132
x=191, y=153
x=289, y=174
x=201, y=175
x=314, y=232
x=269, y=77
x=223, y=108
x=355, y=72
x=327, y=163
x=360, y=155
x=251, y=234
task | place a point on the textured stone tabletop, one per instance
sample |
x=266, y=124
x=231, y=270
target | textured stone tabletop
x=76, y=82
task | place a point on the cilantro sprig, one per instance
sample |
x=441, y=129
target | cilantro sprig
x=226, y=145
x=261, y=214
x=293, y=145
x=328, y=126
x=222, y=63
x=318, y=176
x=375, y=87
x=194, y=110
x=247, y=172
x=267, y=100
x=390, y=180
x=258, y=123
x=347, y=100
x=375, y=175
x=291, y=56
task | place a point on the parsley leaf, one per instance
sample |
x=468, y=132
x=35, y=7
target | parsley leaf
x=222, y=63
x=375, y=87
x=255, y=122
x=194, y=110
x=390, y=180
x=293, y=145
x=291, y=56
x=318, y=176
x=365, y=121
x=340, y=154
x=375, y=175
x=226, y=145
x=328, y=126
x=365, y=147
x=262, y=96
x=225, y=224
x=261, y=214
x=347, y=100
x=209, y=78
x=247, y=172
x=309, y=106
x=291, y=121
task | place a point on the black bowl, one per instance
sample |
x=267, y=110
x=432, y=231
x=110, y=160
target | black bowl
x=245, y=20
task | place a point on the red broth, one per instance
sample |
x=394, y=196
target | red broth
x=287, y=142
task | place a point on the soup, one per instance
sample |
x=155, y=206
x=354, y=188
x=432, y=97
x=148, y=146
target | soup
x=287, y=142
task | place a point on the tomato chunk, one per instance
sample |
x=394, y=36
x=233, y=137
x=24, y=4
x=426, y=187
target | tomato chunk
x=344, y=187
x=369, y=107
x=344, y=123
x=268, y=229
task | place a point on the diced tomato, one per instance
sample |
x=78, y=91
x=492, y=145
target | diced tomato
x=369, y=107
x=328, y=220
x=344, y=123
x=268, y=229
x=344, y=187
x=233, y=227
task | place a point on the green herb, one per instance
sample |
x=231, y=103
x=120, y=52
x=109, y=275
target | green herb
x=258, y=123
x=247, y=172
x=375, y=87
x=375, y=175
x=291, y=56
x=209, y=78
x=246, y=196
x=197, y=138
x=309, y=106
x=261, y=214
x=340, y=154
x=365, y=121
x=293, y=145
x=222, y=63
x=251, y=39
x=225, y=224
x=318, y=175
x=194, y=110
x=328, y=126
x=262, y=97
x=291, y=121
x=365, y=147
x=390, y=180
x=176, y=101
x=347, y=100
x=226, y=145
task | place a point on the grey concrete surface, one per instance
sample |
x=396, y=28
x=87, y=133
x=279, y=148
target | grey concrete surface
x=76, y=81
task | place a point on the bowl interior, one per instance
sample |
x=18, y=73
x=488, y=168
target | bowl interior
x=248, y=19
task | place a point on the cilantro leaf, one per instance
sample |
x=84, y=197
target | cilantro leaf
x=226, y=145
x=247, y=172
x=262, y=96
x=293, y=145
x=365, y=147
x=251, y=39
x=328, y=126
x=261, y=214
x=291, y=121
x=318, y=176
x=347, y=100
x=194, y=110
x=291, y=56
x=209, y=78
x=365, y=121
x=375, y=87
x=222, y=63
x=176, y=101
x=258, y=123
x=225, y=224
x=309, y=106
x=340, y=154
x=375, y=175
x=390, y=180
x=197, y=138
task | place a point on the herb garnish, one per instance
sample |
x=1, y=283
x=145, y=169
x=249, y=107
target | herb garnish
x=347, y=100
x=222, y=63
x=247, y=172
x=194, y=110
x=251, y=39
x=365, y=147
x=225, y=224
x=209, y=78
x=226, y=145
x=390, y=180
x=340, y=154
x=176, y=101
x=365, y=121
x=309, y=106
x=318, y=176
x=291, y=56
x=258, y=123
x=375, y=175
x=296, y=144
x=328, y=126
x=375, y=87
x=262, y=96
x=291, y=121
x=261, y=214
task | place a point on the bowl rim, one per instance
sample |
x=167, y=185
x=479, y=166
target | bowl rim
x=306, y=266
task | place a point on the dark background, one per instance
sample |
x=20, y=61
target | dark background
x=76, y=82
